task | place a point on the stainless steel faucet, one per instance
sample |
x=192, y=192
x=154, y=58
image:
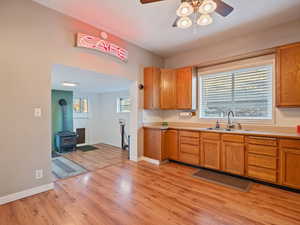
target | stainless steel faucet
x=230, y=124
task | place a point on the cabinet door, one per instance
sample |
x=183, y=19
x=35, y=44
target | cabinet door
x=290, y=167
x=171, y=144
x=210, y=154
x=151, y=88
x=233, y=158
x=153, y=143
x=186, y=88
x=168, y=89
x=288, y=76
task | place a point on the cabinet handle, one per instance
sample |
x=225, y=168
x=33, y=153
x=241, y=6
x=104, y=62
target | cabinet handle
x=263, y=138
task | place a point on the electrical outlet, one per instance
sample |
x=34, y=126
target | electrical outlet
x=37, y=112
x=39, y=174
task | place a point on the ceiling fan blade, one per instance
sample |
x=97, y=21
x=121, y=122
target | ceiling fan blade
x=149, y=1
x=223, y=9
x=175, y=22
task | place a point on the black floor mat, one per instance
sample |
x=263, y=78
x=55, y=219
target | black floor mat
x=87, y=148
x=225, y=180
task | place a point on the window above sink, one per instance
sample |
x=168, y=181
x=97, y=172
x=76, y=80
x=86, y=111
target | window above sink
x=247, y=91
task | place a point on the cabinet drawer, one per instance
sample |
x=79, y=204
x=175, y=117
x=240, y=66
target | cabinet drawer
x=189, y=140
x=191, y=149
x=185, y=133
x=262, y=140
x=262, y=161
x=262, y=150
x=212, y=136
x=287, y=143
x=233, y=138
x=262, y=174
x=189, y=158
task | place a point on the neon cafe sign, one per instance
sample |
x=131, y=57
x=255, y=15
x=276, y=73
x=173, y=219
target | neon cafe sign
x=102, y=45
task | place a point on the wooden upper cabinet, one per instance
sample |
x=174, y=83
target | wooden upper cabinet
x=151, y=88
x=168, y=89
x=288, y=76
x=171, y=144
x=186, y=83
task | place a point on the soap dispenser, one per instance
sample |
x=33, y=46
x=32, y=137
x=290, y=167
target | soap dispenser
x=218, y=124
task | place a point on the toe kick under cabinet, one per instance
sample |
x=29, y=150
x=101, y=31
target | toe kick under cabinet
x=270, y=159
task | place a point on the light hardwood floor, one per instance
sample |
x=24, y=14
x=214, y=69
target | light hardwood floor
x=105, y=155
x=131, y=193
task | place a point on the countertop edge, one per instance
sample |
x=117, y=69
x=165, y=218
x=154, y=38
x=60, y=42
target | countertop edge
x=244, y=132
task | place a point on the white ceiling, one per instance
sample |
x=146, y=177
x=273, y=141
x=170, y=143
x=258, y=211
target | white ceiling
x=89, y=81
x=149, y=26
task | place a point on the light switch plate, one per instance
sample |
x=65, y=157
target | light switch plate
x=37, y=112
x=39, y=174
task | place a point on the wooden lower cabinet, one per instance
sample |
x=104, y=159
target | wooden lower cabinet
x=262, y=158
x=153, y=144
x=210, y=156
x=189, y=147
x=263, y=161
x=233, y=158
x=273, y=160
x=262, y=174
x=189, y=158
x=290, y=167
x=171, y=144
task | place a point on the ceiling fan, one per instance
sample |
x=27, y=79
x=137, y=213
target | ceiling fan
x=197, y=11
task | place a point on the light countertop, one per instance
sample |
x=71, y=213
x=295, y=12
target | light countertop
x=242, y=132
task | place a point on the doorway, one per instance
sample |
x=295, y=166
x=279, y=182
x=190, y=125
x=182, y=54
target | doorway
x=91, y=118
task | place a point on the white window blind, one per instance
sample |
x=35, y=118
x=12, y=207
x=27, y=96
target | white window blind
x=247, y=92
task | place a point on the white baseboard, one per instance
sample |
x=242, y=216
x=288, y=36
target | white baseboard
x=83, y=144
x=153, y=161
x=26, y=193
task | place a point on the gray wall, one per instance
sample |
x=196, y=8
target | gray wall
x=33, y=39
x=237, y=45
x=268, y=38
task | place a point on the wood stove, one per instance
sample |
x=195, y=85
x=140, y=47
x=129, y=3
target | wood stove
x=65, y=140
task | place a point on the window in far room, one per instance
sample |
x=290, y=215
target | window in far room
x=84, y=105
x=247, y=92
x=76, y=105
x=80, y=105
x=123, y=105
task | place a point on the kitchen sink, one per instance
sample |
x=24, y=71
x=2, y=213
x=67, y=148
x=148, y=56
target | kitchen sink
x=222, y=129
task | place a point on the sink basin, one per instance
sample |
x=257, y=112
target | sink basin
x=218, y=129
x=222, y=129
x=212, y=128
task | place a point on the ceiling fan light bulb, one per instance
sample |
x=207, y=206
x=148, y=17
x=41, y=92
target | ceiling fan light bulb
x=185, y=9
x=184, y=22
x=208, y=6
x=204, y=20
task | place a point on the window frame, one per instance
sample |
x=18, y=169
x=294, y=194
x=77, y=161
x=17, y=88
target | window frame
x=119, y=104
x=239, y=65
x=81, y=114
